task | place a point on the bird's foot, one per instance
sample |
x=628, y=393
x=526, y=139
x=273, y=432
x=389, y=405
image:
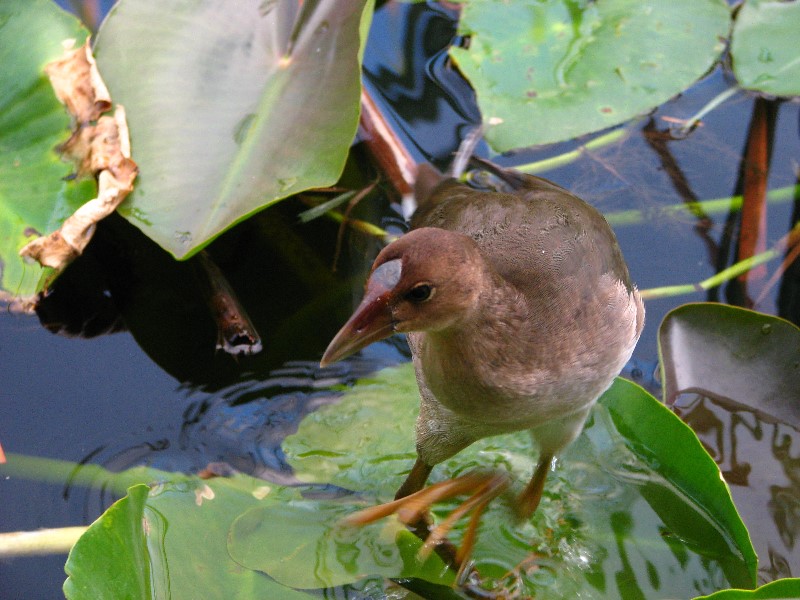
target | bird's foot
x=413, y=510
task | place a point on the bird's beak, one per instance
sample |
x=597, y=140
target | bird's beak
x=372, y=320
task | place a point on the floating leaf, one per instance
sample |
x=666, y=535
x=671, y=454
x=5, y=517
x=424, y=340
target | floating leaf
x=624, y=512
x=35, y=196
x=783, y=588
x=764, y=47
x=230, y=108
x=734, y=355
x=303, y=545
x=170, y=542
x=549, y=70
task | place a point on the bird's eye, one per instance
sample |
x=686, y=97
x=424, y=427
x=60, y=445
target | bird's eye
x=420, y=293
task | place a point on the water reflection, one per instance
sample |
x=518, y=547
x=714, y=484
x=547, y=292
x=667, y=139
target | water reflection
x=760, y=458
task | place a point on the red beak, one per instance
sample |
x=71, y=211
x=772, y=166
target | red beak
x=372, y=320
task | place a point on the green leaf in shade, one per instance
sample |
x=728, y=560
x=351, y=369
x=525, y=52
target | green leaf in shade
x=783, y=588
x=625, y=515
x=230, y=108
x=551, y=70
x=34, y=196
x=764, y=48
x=171, y=542
x=733, y=355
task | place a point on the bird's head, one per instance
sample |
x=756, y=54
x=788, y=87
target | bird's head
x=428, y=280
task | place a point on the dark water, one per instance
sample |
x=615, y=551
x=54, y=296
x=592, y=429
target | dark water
x=158, y=393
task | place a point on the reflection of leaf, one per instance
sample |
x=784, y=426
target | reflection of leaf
x=783, y=588
x=230, y=109
x=170, y=542
x=682, y=523
x=34, y=196
x=734, y=355
x=549, y=70
x=764, y=48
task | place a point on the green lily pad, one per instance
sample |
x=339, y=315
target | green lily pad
x=764, y=48
x=625, y=514
x=783, y=588
x=550, y=70
x=230, y=109
x=35, y=196
x=170, y=541
x=303, y=545
x=737, y=356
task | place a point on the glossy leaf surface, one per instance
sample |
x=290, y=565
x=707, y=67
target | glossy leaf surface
x=230, y=108
x=734, y=355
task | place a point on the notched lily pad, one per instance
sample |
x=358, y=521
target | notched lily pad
x=674, y=528
x=549, y=70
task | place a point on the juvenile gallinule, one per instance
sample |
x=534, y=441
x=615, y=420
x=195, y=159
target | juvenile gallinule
x=519, y=311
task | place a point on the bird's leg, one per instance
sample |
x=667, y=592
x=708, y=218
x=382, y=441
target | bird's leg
x=529, y=499
x=416, y=479
x=413, y=510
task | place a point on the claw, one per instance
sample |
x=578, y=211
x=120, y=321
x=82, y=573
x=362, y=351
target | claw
x=413, y=508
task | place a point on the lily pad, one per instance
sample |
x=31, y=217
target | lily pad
x=736, y=356
x=764, y=48
x=230, y=108
x=550, y=70
x=303, y=545
x=783, y=588
x=170, y=541
x=35, y=195
x=624, y=515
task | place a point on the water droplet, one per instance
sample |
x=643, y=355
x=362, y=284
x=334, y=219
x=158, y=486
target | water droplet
x=765, y=56
x=266, y=7
x=766, y=329
x=242, y=128
x=138, y=214
x=323, y=28
x=287, y=184
x=184, y=238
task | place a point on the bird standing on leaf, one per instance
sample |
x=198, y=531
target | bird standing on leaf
x=519, y=311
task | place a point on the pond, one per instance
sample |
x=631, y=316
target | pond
x=120, y=368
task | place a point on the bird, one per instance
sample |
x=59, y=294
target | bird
x=519, y=311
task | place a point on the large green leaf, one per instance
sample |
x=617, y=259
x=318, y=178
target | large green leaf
x=35, y=198
x=737, y=356
x=550, y=70
x=625, y=515
x=230, y=106
x=170, y=542
x=764, y=47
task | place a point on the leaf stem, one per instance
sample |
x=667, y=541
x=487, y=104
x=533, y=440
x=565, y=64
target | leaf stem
x=691, y=123
x=40, y=542
x=554, y=162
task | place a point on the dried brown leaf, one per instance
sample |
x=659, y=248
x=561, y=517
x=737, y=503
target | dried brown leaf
x=115, y=174
x=78, y=85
